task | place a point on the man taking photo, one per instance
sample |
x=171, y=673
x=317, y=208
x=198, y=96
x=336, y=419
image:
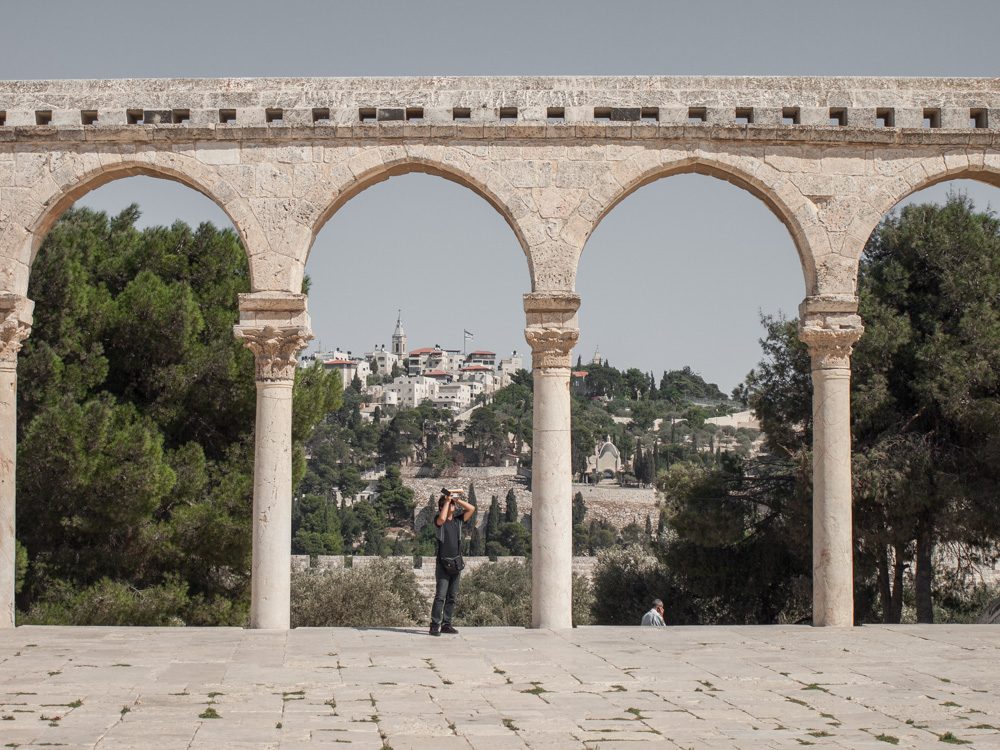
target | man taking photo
x=453, y=513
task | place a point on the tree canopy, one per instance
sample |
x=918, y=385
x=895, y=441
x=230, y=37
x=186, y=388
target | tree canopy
x=925, y=423
x=136, y=415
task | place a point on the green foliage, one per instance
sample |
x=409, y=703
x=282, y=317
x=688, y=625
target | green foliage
x=316, y=527
x=600, y=534
x=20, y=566
x=492, y=528
x=927, y=383
x=513, y=407
x=368, y=524
x=496, y=594
x=485, y=434
x=779, y=389
x=515, y=538
x=499, y=594
x=110, y=602
x=683, y=385
x=926, y=402
x=383, y=593
x=84, y=456
x=510, y=514
x=395, y=499
x=625, y=582
x=135, y=413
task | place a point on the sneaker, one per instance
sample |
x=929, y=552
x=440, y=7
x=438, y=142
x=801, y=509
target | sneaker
x=448, y=629
x=435, y=629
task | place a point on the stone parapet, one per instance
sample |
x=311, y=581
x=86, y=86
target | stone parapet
x=489, y=106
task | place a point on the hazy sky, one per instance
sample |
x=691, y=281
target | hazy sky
x=675, y=275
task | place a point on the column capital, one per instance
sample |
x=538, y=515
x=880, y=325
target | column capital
x=550, y=346
x=274, y=349
x=552, y=328
x=274, y=326
x=830, y=326
x=15, y=326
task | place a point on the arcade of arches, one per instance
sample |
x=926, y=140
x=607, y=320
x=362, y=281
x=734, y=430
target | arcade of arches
x=553, y=155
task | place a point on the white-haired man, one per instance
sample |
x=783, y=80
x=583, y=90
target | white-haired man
x=655, y=616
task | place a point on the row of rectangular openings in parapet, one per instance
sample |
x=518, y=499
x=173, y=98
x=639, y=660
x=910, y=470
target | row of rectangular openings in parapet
x=838, y=116
x=885, y=117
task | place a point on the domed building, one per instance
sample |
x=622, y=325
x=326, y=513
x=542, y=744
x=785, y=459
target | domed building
x=606, y=463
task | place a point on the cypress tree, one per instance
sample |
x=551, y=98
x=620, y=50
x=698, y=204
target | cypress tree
x=493, y=521
x=510, y=507
x=579, y=508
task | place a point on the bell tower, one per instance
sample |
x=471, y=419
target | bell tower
x=399, y=337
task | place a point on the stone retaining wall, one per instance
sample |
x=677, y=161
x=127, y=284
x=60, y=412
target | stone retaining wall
x=619, y=506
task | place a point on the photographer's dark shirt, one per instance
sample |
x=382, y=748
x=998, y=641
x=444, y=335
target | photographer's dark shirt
x=449, y=538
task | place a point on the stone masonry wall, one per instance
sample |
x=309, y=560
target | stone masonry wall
x=619, y=506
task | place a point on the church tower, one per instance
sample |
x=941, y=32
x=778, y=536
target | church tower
x=399, y=337
x=597, y=357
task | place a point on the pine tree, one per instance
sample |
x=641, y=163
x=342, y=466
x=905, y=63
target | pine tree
x=471, y=495
x=649, y=527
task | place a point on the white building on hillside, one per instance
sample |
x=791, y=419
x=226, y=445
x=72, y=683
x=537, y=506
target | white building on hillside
x=482, y=357
x=506, y=368
x=382, y=361
x=484, y=376
x=410, y=392
x=349, y=369
x=454, y=396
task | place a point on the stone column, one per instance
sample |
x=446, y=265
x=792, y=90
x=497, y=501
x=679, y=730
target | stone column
x=275, y=326
x=829, y=326
x=551, y=331
x=15, y=312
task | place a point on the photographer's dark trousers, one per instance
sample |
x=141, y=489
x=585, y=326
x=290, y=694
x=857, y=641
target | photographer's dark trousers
x=444, y=595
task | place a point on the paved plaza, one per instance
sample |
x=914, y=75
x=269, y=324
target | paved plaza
x=500, y=688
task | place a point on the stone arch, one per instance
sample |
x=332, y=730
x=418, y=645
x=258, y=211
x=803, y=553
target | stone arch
x=51, y=197
x=488, y=185
x=926, y=173
x=792, y=209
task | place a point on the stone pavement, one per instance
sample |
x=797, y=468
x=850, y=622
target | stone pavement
x=500, y=688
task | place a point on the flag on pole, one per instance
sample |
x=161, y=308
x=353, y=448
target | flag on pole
x=468, y=334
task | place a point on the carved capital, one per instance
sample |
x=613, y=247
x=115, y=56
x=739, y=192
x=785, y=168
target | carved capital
x=552, y=328
x=274, y=349
x=831, y=338
x=550, y=346
x=15, y=327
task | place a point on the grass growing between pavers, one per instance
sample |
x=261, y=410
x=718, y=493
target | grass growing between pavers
x=536, y=689
x=951, y=739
